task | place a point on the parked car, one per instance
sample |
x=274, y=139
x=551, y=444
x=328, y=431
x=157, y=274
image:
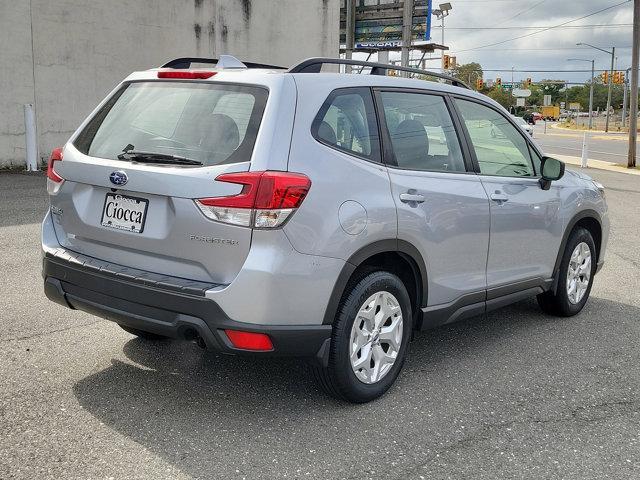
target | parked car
x=264, y=211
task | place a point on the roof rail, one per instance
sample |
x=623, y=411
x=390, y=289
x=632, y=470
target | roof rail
x=225, y=61
x=314, y=65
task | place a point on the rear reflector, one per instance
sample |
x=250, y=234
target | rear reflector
x=266, y=200
x=184, y=75
x=250, y=340
x=56, y=156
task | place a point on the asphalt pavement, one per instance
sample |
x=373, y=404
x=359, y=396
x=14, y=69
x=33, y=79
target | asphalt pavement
x=513, y=394
x=609, y=147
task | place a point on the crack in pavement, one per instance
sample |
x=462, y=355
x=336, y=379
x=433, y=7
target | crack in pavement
x=50, y=332
x=488, y=430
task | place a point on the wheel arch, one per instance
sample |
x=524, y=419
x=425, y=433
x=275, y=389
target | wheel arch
x=588, y=219
x=382, y=253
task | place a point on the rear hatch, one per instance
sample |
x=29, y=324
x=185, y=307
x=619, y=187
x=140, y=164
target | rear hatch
x=131, y=176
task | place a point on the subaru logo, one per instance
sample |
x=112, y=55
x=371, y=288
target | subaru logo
x=118, y=178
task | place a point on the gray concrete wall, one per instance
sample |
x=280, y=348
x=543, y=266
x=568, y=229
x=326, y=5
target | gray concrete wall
x=64, y=56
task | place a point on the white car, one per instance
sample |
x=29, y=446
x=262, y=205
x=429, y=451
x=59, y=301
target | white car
x=522, y=123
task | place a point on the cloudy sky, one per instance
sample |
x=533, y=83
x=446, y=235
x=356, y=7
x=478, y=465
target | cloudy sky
x=476, y=23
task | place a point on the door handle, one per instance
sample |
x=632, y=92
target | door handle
x=411, y=198
x=499, y=197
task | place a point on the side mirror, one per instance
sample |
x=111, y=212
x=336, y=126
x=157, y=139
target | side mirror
x=551, y=169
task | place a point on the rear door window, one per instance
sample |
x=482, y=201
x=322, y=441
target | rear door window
x=211, y=123
x=347, y=122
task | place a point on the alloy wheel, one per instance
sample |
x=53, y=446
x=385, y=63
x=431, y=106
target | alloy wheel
x=376, y=337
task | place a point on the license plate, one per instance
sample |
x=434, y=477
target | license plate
x=124, y=212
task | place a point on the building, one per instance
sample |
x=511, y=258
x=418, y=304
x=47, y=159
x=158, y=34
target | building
x=64, y=56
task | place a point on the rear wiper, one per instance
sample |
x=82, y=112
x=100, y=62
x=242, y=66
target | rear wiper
x=154, y=157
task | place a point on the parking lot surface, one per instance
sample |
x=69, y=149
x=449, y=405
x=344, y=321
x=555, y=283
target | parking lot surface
x=514, y=394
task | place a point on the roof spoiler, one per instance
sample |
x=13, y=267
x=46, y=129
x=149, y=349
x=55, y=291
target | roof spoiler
x=224, y=62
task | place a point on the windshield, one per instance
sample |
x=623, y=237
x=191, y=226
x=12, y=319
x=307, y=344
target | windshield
x=203, y=122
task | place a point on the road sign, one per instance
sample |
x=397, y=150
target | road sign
x=521, y=92
x=574, y=106
x=547, y=100
x=520, y=102
x=562, y=104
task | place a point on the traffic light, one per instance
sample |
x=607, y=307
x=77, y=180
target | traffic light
x=446, y=62
x=605, y=77
x=453, y=61
x=479, y=84
x=621, y=77
x=499, y=82
x=527, y=84
x=616, y=77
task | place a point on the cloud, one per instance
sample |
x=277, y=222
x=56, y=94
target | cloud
x=548, y=50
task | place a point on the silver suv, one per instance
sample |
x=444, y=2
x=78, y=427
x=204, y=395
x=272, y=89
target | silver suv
x=265, y=211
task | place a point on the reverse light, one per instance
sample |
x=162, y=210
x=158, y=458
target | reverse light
x=259, y=342
x=185, y=75
x=267, y=199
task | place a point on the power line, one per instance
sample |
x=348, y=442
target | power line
x=592, y=25
x=545, y=29
x=540, y=49
x=522, y=12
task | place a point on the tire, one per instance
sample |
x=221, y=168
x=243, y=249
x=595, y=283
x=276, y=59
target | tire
x=142, y=333
x=339, y=378
x=562, y=303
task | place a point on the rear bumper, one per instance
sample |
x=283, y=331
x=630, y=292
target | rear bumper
x=167, y=310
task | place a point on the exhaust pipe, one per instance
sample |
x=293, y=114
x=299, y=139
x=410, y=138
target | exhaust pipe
x=191, y=335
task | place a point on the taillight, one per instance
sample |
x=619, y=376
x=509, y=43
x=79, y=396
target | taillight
x=185, y=74
x=249, y=340
x=56, y=156
x=267, y=199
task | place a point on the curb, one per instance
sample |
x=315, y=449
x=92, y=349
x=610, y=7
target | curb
x=598, y=165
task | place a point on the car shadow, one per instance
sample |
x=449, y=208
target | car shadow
x=209, y=414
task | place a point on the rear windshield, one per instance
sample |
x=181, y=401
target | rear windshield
x=210, y=123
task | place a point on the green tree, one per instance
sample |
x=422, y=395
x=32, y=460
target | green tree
x=553, y=88
x=502, y=96
x=469, y=73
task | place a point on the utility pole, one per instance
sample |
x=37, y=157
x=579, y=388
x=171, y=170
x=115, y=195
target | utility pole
x=591, y=94
x=635, y=53
x=407, y=23
x=625, y=87
x=590, y=87
x=350, y=31
x=613, y=59
x=613, y=56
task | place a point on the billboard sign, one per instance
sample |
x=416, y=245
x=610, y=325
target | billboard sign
x=380, y=45
x=388, y=29
x=427, y=32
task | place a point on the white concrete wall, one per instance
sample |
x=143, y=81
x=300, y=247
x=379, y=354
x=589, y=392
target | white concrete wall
x=64, y=56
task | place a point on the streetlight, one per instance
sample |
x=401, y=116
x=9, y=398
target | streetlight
x=613, y=56
x=590, y=87
x=440, y=13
